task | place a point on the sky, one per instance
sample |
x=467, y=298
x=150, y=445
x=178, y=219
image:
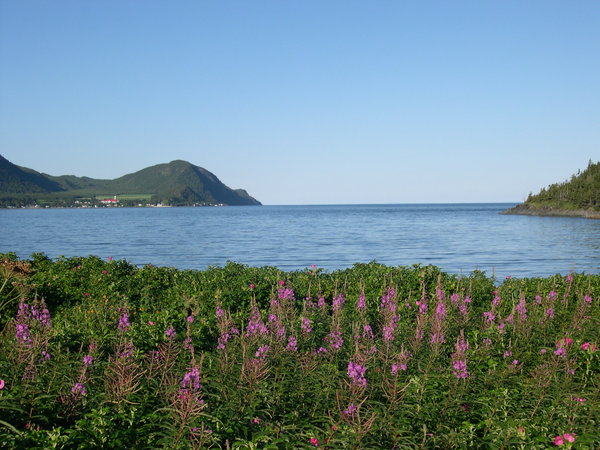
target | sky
x=307, y=101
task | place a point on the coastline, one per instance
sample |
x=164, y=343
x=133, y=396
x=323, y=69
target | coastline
x=526, y=210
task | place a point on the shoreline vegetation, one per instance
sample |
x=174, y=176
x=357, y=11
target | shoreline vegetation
x=578, y=197
x=100, y=353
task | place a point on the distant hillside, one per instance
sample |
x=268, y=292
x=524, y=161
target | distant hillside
x=15, y=179
x=176, y=183
x=579, y=196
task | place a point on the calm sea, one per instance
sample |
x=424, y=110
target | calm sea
x=456, y=237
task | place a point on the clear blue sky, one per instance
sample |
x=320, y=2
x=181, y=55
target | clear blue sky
x=302, y=101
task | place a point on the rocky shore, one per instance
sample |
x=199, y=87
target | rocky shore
x=527, y=210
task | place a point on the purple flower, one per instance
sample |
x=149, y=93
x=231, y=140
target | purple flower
x=521, y=309
x=496, y=301
x=350, y=410
x=335, y=339
x=507, y=353
x=191, y=379
x=306, y=325
x=338, y=302
x=285, y=294
x=461, y=346
x=356, y=372
x=88, y=360
x=292, y=344
x=387, y=301
x=78, y=389
x=440, y=311
x=127, y=352
x=396, y=367
x=437, y=338
x=187, y=343
x=321, y=303
x=123, y=323
x=45, y=356
x=361, y=305
x=44, y=318
x=190, y=319
x=538, y=300
x=460, y=368
x=388, y=332
x=550, y=313
x=281, y=332
x=223, y=339
x=587, y=299
x=560, y=351
x=220, y=313
x=552, y=295
x=255, y=324
x=440, y=295
x=367, y=332
x=309, y=303
x=170, y=332
x=22, y=334
x=261, y=353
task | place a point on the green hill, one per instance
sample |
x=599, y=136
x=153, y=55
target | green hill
x=579, y=196
x=20, y=180
x=176, y=183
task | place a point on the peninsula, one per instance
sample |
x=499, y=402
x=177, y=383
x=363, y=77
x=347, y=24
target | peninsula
x=178, y=183
x=577, y=197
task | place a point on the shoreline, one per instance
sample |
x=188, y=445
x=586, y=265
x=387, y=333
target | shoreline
x=524, y=210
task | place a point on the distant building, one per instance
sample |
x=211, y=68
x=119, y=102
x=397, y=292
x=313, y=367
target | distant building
x=109, y=201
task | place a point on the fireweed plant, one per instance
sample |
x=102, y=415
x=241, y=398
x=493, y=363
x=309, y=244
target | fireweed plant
x=100, y=353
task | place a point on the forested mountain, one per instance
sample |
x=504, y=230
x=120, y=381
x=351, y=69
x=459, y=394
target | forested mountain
x=176, y=183
x=15, y=179
x=578, y=196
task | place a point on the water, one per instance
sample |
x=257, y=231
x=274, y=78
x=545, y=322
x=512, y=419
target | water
x=459, y=238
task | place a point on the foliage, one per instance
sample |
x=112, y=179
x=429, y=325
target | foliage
x=101, y=353
x=582, y=191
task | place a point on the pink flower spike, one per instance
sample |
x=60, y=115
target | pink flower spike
x=2, y=384
x=87, y=294
x=190, y=319
x=558, y=441
x=585, y=346
x=314, y=441
x=150, y=322
x=569, y=437
x=252, y=286
x=281, y=282
x=109, y=258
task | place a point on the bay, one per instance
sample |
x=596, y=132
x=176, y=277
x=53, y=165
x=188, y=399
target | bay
x=458, y=238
